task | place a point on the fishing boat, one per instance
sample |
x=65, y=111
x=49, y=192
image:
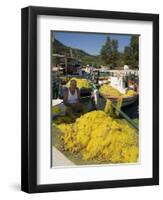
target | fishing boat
x=118, y=83
x=126, y=100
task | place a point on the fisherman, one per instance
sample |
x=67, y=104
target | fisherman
x=71, y=99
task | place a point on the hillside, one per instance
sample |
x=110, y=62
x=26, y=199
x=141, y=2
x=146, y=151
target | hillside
x=60, y=48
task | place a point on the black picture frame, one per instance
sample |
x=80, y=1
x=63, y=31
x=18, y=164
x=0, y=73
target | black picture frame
x=29, y=98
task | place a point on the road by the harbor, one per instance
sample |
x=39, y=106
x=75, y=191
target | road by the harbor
x=58, y=159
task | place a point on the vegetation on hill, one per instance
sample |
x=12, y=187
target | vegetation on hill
x=59, y=48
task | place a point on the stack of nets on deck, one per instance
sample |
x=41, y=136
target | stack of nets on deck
x=108, y=90
x=99, y=137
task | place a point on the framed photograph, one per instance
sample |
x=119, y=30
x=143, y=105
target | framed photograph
x=90, y=99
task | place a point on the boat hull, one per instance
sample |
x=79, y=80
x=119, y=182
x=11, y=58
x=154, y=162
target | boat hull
x=126, y=100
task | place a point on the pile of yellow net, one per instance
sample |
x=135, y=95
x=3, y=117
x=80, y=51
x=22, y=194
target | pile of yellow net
x=119, y=105
x=56, y=109
x=81, y=83
x=99, y=137
x=107, y=89
x=62, y=120
x=130, y=93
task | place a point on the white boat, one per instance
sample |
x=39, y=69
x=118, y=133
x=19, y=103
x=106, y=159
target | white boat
x=118, y=83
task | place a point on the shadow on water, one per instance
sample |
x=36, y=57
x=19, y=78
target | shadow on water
x=132, y=110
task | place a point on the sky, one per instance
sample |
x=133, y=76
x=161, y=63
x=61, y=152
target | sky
x=90, y=42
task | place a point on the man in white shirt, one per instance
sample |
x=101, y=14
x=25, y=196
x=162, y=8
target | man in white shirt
x=71, y=99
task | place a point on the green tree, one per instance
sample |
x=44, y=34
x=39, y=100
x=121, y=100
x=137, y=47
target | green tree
x=120, y=60
x=114, y=52
x=131, y=52
x=135, y=50
x=106, y=51
x=127, y=55
x=109, y=52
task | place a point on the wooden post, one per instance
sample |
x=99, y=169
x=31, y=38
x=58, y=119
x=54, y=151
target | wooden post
x=66, y=64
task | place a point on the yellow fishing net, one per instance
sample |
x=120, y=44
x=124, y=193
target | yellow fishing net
x=108, y=108
x=119, y=105
x=130, y=93
x=81, y=83
x=98, y=136
x=55, y=109
x=107, y=89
